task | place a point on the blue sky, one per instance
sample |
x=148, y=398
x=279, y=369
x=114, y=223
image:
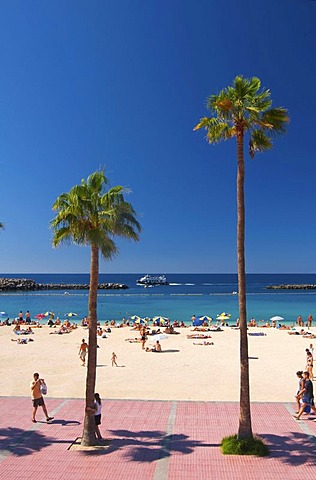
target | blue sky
x=122, y=84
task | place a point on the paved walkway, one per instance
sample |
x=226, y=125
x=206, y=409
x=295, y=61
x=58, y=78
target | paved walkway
x=153, y=441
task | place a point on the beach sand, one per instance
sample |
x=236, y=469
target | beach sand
x=183, y=371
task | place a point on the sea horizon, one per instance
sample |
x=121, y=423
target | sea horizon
x=186, y=295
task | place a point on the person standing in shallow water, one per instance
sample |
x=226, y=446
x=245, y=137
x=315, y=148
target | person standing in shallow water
x=37, y=398
x=309, y=322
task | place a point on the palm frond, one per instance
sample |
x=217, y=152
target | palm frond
x=206, y=122
x=259, y=142
x=219, y=132
x=275, y=119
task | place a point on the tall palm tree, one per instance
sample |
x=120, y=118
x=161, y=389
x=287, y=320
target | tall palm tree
x=238, y=111
x=91, y=215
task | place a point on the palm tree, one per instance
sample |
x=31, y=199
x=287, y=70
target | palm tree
x=91, y=215
x=241, y=110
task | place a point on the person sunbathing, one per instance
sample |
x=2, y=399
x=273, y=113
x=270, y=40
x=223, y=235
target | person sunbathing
x=203, y=343
x=155, y=332
x=22, y=341
x=60, y=331
x=155, y=348
x=284, y=327
x=301, y=332
x=199, y=335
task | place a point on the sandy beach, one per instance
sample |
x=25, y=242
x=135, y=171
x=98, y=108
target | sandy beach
x=183, y=371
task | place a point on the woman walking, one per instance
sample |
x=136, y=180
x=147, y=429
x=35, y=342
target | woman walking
x=299, y=395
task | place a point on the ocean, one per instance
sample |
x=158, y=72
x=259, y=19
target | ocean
x=186, y=295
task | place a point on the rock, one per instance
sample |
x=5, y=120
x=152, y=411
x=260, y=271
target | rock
x=292, y=287
x=26, y=284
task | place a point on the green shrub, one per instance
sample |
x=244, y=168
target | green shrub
x=255, y=446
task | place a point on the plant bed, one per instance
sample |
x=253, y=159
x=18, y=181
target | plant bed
x=254, y=446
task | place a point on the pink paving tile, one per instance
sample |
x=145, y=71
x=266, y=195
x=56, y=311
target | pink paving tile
x=152, y=440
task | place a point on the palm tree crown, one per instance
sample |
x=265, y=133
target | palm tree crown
x=243, y=108
x=89, y=215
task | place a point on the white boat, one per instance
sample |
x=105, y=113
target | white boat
x=149, y=280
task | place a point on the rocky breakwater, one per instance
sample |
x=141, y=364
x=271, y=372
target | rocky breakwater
x=292, y=287
x=27, y=284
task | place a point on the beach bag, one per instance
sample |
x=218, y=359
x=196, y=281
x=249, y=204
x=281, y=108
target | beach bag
x=43, y=388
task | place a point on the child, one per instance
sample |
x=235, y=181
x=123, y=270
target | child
x=114, y=357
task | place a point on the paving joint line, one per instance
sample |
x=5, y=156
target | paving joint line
x=161, y=470
x=301, y=424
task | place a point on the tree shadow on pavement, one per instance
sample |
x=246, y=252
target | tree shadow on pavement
x=22, y=442
x=150, y=446
x=293, y=449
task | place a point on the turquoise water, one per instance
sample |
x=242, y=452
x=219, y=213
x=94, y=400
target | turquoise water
x=187, y=294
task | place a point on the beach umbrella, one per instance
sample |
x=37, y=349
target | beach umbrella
x=277, y=318
x=135, y=317
x=140, y=320
x=197, y=322
x=47, y=314
x=40, y=316
x=223, y=316
x=3, y=314
x=160, y=319
x=158, y=337
x=71, y=314
x=205, y=318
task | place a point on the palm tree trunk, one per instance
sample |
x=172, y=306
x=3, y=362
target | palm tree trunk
x=245, y=430
x=88, y=436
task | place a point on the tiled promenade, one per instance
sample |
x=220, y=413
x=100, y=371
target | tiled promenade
x=152, y=441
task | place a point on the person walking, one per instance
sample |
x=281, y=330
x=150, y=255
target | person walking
x=114, y=357
x=37, y=398
x=309, y=363
x=299, y=395
x=143, y=337
x=307, y=396
x=83, y=350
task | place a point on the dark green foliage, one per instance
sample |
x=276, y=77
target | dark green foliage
x=254, y=446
